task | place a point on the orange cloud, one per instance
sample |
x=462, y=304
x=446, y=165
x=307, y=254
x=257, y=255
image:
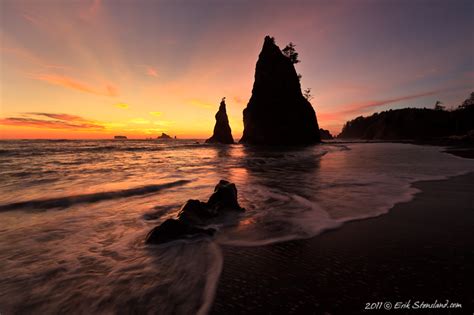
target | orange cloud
x=239, y=100
x=52, y=121
x=201, y=104
x=149, y=70
x=139, y=121
x=122, y=105
x=152, y=72
x=71, y=83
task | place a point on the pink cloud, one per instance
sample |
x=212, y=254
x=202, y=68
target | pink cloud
x=67, y=82
x=29, y=57
x=92, y=10
x=152, y=72
x=32, y=19
x=52, y=121
x=361, y=107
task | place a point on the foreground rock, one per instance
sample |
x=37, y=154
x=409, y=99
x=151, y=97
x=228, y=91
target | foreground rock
x=222, y=132
x=223, y=200
x=195, y=214
x=278, y=113
x=172, y=229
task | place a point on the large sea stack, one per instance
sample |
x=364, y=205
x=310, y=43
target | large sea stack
x=222, y=132
x=278, y=113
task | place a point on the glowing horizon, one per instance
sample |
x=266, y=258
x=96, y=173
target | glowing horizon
x=99, y=68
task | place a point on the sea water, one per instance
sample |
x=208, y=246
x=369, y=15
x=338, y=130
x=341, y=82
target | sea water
x=74, y=214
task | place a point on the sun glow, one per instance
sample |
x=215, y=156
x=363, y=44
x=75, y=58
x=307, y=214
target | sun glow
x=160, y=73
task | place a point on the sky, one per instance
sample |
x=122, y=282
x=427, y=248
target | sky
x=97, y=68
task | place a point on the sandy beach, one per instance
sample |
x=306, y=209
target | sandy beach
x=421, y=251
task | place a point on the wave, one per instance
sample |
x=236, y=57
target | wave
x=212, y=278
x=6, y=152
x=71, y=147
x=68, y=201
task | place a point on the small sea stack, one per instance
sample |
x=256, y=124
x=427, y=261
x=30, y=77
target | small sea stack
x=222, y=132
x=278, y=113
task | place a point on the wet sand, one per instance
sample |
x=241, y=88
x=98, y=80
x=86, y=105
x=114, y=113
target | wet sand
x=464, y=152
x=422, y=250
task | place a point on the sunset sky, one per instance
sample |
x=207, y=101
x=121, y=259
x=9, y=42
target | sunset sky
x=98, y=68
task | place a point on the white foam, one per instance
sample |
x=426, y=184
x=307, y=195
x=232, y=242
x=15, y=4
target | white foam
x=363, y=182
x=212, y=278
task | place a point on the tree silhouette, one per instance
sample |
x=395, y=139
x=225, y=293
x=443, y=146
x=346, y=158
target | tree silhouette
x=291, y=53
x=469, y=102
x=439, y=106
x=307, y=94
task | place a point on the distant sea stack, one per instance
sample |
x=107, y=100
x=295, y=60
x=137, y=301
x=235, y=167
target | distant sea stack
x=222, y=131
x=278, y=113
x=164, y=136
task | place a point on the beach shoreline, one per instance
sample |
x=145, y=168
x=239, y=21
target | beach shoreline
x=459, y=148
x=421, y=251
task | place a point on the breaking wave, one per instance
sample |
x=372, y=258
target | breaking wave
x=64, y=202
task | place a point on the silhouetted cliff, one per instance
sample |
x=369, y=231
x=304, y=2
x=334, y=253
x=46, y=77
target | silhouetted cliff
x=325, y=134
x=410, y=124
x=278, y=113
x=222, y=132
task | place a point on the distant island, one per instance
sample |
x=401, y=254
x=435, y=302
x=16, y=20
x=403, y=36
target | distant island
x=164, y=136
x=414, y=124
x=120, y=138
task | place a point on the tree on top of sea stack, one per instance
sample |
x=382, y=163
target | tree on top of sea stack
x=290, y=52
x=278, y=113
x=222, y=131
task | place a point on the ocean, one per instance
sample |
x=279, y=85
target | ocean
x=74, y=214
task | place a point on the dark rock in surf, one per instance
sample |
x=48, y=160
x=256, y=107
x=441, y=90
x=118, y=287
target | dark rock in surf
x=172, y=229
x=325, y=134
x=194, y=214
x=223, y=200
x=222, y=132
x=278, y=113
